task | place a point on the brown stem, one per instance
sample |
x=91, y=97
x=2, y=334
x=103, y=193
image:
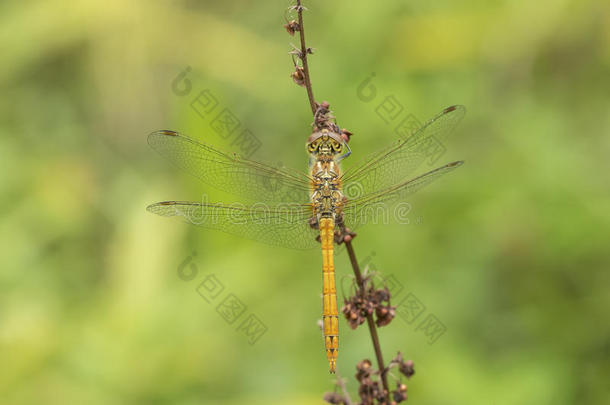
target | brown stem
x=303, y=56
x=369, y=318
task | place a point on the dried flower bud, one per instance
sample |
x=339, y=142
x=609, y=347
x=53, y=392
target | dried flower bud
x=346, y=135
x=385, y=315
x=382, y=294
x=299, y=76
x=353, y=311
x=399, y=396
x=292, y=26
x=334, y=398
x=407, y=368
x=363, y=369
x=349, y=235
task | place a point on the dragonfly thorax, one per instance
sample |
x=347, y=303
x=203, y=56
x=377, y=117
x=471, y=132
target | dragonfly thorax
x=326, y=195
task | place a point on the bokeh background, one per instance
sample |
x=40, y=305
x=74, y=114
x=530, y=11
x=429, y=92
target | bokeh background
x=510, y=252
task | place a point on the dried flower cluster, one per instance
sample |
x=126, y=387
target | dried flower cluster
x=366, y=302
x=324, y=119
x=371, y=390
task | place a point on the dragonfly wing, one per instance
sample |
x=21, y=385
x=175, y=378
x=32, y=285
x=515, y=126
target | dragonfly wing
x=285, y=225
x=230, y=172
x=370, y=208
x=396, y=162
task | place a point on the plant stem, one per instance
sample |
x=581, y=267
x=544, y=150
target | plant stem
x=312, y=101
x=369, y=318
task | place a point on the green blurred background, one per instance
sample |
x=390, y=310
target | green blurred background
x=510, y=252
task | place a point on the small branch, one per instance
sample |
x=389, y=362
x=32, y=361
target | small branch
x=369, y=318
x=303, y=57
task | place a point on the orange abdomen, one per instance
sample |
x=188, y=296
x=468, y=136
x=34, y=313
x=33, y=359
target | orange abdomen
x=330, y=316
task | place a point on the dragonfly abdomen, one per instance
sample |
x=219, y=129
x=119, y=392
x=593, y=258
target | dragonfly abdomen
x=330, y=315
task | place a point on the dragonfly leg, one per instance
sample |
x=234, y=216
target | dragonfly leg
x=314, y=223
x=346, y=154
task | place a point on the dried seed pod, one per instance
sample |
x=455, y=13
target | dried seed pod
x=384, y=314
x=299, y=76
x=346, y=135
x=363, y=369
x=400, y=394
x=405, y=367
x=382, y=294
x=292, y=26
x=353, y=312
x=334, y=398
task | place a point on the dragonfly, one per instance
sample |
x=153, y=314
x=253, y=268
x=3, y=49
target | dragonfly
x=302, y=210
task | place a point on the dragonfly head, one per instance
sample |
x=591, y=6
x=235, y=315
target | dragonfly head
x=325, y=143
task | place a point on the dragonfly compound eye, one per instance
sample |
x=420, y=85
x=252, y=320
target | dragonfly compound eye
x=312, y=146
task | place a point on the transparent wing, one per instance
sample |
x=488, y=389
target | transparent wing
x=281, y=225
x=396, y=162
x=376, y=207
x=230, y=172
